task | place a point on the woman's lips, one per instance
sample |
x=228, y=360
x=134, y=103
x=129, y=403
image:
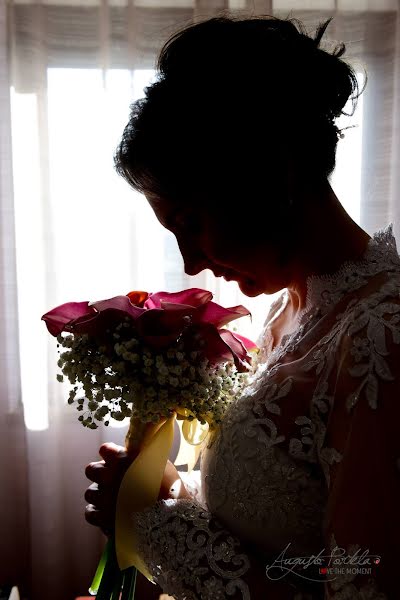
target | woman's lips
x=217, y=272
x=227, y=274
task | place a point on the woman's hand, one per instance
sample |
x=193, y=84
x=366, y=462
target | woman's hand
x=107, y=475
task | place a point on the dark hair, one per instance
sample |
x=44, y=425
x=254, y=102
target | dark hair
x=231, y=96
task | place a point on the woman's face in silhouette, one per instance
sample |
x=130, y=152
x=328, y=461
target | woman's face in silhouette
x=225, y=241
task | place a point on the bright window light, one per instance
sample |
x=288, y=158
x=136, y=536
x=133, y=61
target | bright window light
x=30, y=259
x=346, y=178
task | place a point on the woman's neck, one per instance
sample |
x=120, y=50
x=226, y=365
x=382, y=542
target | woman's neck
x=330, y=238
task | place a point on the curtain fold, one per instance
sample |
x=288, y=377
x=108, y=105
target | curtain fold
x=14, y=496
x=381, y=55
x=45, y=545
x=394, y=197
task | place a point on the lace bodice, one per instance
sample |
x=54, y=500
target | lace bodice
x=301, y=458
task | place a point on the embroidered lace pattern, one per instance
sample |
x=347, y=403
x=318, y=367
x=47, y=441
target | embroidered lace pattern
x=190, y=554
x=342, y=585
x=324, y=291
x=266, y=475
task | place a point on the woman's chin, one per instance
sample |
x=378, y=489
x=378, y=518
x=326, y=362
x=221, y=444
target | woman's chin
x=249, y=287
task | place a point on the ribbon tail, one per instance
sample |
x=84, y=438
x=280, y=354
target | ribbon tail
x=194, y=457
x=139, y=489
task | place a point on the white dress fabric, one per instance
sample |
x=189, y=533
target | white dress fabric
x=305, y=460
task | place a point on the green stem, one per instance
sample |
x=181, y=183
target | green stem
x=128, y=589
x=100, y=569
x=117, y=586
x=111, y=574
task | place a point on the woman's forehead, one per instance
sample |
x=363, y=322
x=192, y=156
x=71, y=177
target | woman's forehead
x=164, y=203
x=162, y=207
x=156, y=201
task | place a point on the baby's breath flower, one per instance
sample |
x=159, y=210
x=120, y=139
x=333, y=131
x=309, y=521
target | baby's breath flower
x=122, y=377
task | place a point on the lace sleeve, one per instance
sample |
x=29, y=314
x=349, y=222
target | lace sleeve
x=193, y=557
x=364, y=480
x=189, y=554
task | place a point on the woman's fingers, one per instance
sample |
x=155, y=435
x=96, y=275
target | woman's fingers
x=111, y=453
x=99, y=519
x=102, y=499
x=101, y=495
x=100, y=473
x=100, y=510
x=94, y=516
x=92, y=494
x=99, y=498
x=105, y=519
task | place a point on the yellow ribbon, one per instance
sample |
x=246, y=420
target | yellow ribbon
x=141, y=483
x=192, y=432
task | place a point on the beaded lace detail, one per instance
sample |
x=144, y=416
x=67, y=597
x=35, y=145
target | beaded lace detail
x=190, y=554
x=325, y=291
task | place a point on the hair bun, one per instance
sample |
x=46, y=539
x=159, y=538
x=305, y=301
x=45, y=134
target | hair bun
x=233, y=91
x=331, y=81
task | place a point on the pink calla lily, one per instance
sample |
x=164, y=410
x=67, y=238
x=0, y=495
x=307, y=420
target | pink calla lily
x=193, y=297
x=160, y=319
x=218, y=315
x=121, y=304
x=237, y=347
x=62, y=315
x=248, y=344
x=221, y=345
x=160, y=328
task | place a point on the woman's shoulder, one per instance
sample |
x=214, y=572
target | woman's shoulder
x=375, y=308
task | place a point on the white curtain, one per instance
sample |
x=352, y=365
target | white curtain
x=14, y=508
x=71, y=230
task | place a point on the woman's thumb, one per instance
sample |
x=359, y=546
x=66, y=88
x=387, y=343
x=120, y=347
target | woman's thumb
x=110, y=452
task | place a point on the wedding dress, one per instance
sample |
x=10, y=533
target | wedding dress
x=307, y=459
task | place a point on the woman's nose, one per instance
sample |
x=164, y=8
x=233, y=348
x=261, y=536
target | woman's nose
x=194, y=260
x=194, y=264
x=193, y=269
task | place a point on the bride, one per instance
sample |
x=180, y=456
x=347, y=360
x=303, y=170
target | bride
x=232, y=147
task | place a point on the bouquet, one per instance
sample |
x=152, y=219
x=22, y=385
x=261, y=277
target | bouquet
x=152, y=358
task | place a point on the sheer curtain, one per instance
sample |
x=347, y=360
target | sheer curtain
x=71, y=230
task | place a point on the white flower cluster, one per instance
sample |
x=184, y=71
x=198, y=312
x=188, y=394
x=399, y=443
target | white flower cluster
x=122, y=377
